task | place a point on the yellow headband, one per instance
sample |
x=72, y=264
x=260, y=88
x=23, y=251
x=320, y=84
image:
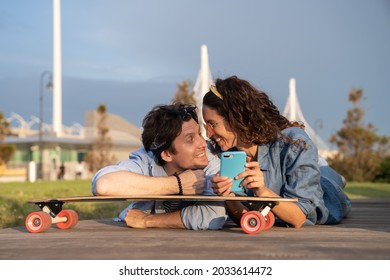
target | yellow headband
x=214, y=90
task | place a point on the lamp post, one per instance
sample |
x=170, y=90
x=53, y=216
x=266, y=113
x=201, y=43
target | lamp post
x=49, y=85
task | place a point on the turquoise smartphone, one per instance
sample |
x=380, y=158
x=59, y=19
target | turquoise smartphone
x=232, y=164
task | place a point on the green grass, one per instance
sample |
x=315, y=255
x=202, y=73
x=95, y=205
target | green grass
x=356, y=190
x=14, y=206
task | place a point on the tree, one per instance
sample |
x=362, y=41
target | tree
x=183, y=94
x=361, y=150
x=6, y=150
x=384, y=171
x=4, y=127
x=100, y=155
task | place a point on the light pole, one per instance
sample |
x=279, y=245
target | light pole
x=49, y=85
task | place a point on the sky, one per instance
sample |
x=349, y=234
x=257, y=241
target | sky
x=131, y=54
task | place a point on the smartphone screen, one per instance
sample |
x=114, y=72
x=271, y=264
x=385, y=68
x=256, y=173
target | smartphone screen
x=232, y=164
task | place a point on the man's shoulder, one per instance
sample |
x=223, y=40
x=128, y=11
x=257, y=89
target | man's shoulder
x=141, y=152
x=141, y=155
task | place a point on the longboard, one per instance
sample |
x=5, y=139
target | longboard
x=257, y=219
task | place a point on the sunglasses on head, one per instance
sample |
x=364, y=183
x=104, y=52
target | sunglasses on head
x=185, y=111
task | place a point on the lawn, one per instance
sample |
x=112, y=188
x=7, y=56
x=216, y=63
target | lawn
x=14, y=206
x=367, y=190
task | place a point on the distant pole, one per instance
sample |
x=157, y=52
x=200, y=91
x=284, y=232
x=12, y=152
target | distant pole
x=41, y=92
x=57, y=69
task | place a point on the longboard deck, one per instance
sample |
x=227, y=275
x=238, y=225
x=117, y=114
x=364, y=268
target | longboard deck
x=161, y=197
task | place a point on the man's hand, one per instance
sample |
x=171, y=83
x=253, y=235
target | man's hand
x=135, y=218
x=193, y=181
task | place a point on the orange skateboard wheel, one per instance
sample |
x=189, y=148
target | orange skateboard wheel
x=72, y=219
x=252, y=222
x=38, y=222
x=269, y=220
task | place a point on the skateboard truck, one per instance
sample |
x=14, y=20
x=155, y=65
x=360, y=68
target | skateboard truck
x=256, y=205
x=53, y=207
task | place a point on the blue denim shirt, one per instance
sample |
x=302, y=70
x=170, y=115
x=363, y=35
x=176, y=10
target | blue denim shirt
x=197, y=216
x=294, y=172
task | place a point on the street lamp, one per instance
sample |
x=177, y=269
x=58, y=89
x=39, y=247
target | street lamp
x=49, y=85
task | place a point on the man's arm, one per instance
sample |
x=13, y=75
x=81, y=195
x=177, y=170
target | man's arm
x=131, y=183
x=137, y=219
x=124, y=182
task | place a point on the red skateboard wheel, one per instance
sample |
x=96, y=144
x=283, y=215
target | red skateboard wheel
x=38, y=222
x=252, y=222
x=72, y=219
x=269, y=220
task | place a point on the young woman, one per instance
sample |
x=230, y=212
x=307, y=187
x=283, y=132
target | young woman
x=282, y=161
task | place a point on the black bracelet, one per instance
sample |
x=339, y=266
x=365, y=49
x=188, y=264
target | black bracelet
x=179, y=183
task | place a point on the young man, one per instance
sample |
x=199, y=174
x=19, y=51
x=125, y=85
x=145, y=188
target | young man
x=174, y=160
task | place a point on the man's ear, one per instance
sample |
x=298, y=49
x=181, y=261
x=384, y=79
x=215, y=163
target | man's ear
x=166, y=155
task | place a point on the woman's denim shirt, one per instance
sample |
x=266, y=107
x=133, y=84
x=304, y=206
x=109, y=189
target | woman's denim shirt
x=292, y=171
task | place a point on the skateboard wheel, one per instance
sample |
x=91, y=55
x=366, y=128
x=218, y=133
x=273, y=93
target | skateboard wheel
x=72, y=219
x=252, y=222
x=269, y=220
x=38, y=222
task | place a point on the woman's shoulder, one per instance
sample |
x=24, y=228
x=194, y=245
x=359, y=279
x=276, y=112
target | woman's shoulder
x=297, y=140
x=296, y=133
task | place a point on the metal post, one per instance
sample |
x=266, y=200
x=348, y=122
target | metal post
x=42, y=88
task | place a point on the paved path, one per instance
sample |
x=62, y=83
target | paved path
x=364, y=235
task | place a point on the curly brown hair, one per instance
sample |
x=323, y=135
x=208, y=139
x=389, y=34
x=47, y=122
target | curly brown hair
x=249, y=111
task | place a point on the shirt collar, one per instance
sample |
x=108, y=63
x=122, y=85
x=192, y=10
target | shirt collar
x=262, y=156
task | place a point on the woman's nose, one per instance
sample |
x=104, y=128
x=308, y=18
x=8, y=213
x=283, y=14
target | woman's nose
x=209, y=132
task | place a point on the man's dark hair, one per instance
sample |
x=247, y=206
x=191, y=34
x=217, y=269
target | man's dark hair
x=163, y=124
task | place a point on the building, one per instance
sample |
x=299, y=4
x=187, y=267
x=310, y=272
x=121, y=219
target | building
x=33, y=148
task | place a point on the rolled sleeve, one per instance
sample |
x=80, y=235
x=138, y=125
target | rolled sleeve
x=303, y=180
x=103, y=171
x=204, y=215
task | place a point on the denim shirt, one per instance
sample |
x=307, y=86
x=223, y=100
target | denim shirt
x=292, y=171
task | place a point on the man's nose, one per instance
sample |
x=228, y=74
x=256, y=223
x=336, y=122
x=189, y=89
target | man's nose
x=202, y=141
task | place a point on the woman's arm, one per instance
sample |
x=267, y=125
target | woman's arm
x=289, y=212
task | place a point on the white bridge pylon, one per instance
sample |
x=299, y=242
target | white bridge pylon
x=293, y=112
x=202, y=84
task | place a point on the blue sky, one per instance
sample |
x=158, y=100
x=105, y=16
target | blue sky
x=130, y=55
